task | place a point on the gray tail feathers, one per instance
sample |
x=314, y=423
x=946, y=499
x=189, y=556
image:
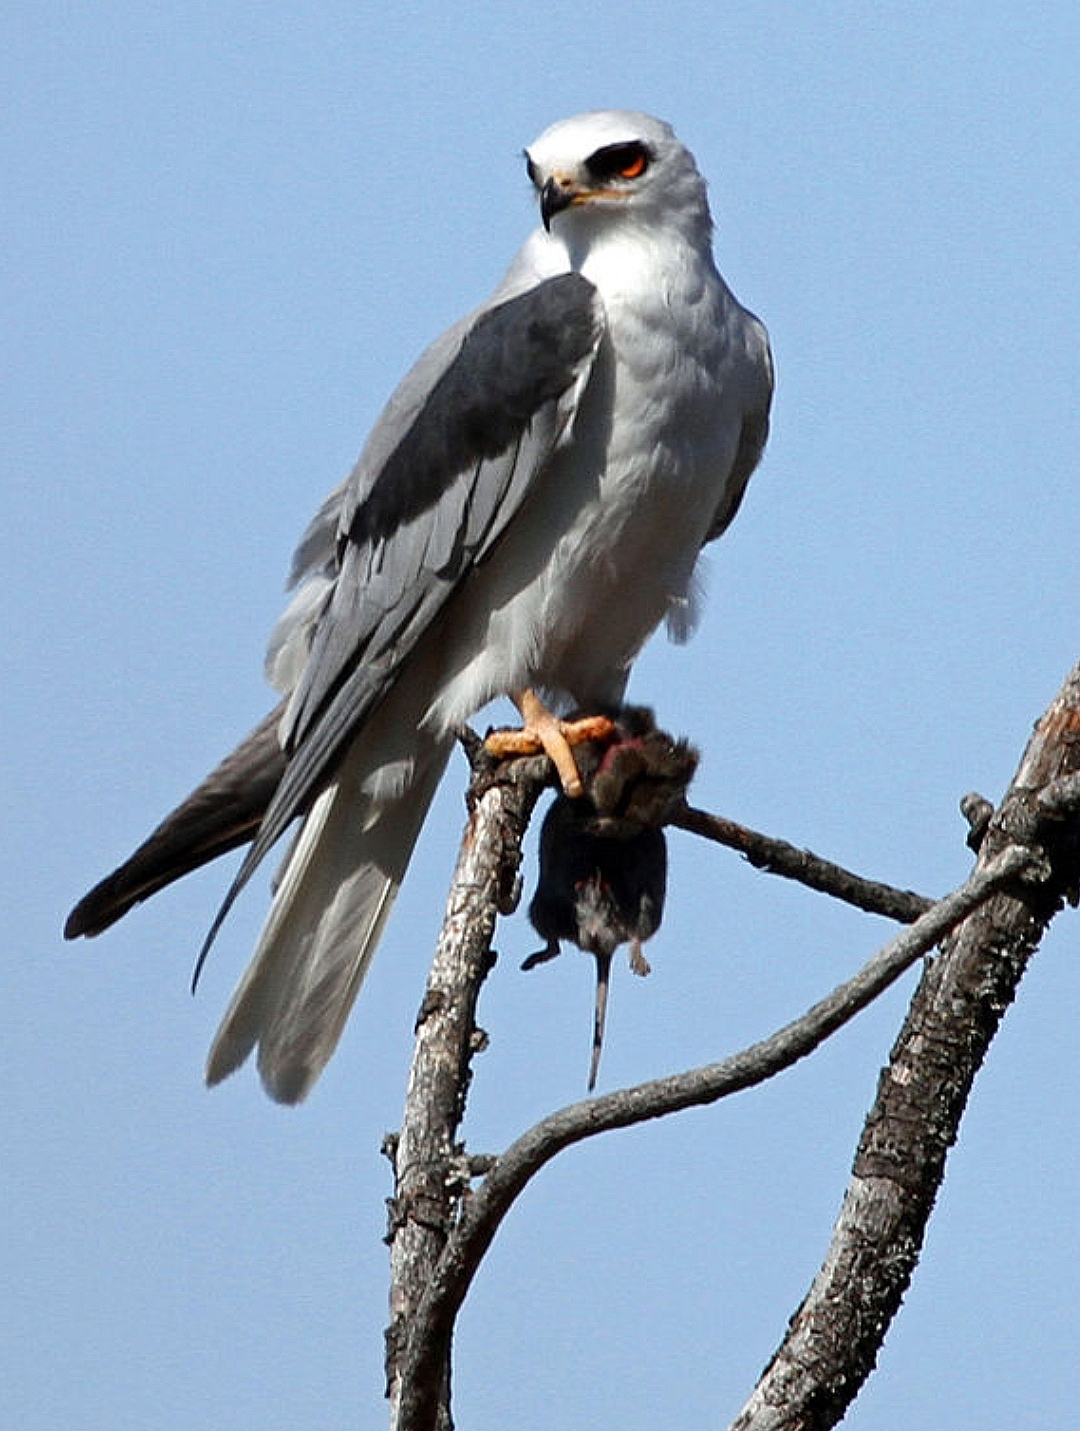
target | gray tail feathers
x=331, y=903
x=222, y=814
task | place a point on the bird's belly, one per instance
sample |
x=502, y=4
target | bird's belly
x=616, y=575
x=619, y=550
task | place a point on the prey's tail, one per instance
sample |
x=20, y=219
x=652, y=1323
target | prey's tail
x=603, y=983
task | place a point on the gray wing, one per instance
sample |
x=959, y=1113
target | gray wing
x=440, y=479
x=754, y=431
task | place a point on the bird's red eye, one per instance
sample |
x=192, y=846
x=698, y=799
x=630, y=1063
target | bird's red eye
x=618, y=161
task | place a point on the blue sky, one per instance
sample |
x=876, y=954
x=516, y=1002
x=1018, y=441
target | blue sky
x=227, y=230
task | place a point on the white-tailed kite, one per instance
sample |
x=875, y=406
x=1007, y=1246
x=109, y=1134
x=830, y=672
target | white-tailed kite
x=528, y=508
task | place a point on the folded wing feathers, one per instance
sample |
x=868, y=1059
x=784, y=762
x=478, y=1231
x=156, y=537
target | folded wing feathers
x=385, y=594
x=222, y=813
x=372, y=571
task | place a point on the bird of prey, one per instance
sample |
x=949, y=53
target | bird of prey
x=527, y=509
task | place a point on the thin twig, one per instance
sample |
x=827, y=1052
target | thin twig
x=779, y=858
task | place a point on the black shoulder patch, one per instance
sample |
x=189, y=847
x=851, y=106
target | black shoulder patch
x=517, y=357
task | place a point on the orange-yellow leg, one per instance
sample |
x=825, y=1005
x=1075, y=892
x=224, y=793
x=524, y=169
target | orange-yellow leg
x=543, y=731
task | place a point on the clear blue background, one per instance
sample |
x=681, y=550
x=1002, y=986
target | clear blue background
x=226, y=230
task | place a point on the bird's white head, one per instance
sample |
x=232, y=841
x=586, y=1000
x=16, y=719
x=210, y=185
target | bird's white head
x=615, y=167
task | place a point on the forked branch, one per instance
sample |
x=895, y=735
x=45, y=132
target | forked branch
x=484, y=1209
x=440, y=1230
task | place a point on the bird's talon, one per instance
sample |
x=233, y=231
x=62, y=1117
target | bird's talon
x=585, y=728
x=544, y=733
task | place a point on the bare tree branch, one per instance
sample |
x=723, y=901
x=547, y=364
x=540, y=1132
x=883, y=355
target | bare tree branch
x=834, y=1337
x=779, y=858
x=440, y=1231
x=484, y=1209
x=430, y=1168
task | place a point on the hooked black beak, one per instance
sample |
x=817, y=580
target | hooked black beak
x=554, y=197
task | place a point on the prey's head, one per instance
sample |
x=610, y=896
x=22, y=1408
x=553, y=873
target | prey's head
x=614, y=165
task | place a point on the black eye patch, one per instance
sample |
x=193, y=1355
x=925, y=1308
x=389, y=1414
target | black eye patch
x=618, y=161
